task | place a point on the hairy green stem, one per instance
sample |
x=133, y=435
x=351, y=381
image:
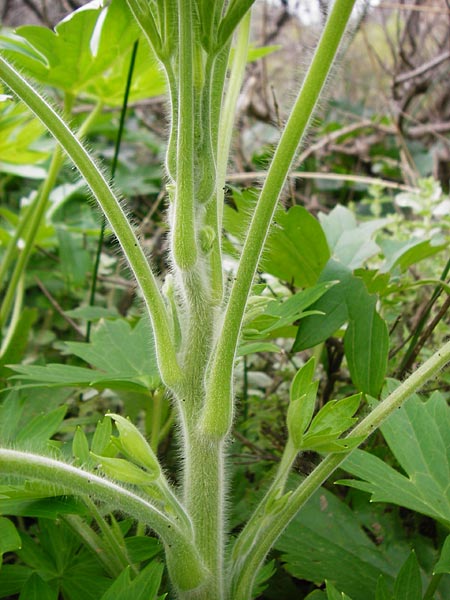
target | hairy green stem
x=218, y=414
x=247, y=566
x=167, y=361
x=184, y=243
x=186, y=568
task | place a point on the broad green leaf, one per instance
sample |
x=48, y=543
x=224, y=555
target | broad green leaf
x=40, y=429
x=408, y=583
x=144, y=587
x=92, y=313
x=37, y=589
x=20, y=134
x=418, y=434
x=30, y=502
x=81, y=48
x=12, y=579
x=140, y=548
x=325, y=542
x=9, y=538
x=332, y=307
x=443, y=564
x=123, y=358
x=366, y=344
x=296, y=250
x=246, y=348
x=351, y=244
x=382, y=591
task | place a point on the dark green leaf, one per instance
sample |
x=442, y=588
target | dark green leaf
x=9, y=538
x=12, y=579
x=144, y=587
x=40, y=429
x=443, y=564
x=408, y=583
x=366, y=344
x=325, y=541
x=37, y=589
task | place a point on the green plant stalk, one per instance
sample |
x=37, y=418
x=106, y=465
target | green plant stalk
x=222, y=135
x=94, y=542
x=246, y=567
x=15, y=317
x=189, y=571
x=167, y=361
x=30, y=235
x=218, y=414
x=433, y=586
x=116, y=551
x=184, y=243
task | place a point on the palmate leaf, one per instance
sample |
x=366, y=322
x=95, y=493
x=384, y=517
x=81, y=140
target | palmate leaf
x=326, y=542
x=144, y=587
x=418, y=435
x=122, y=358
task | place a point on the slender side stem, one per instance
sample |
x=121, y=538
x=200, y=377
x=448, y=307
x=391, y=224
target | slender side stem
x=167, y=361
x=15, y=316
x=245, y=569
x=218, y=414
x=184, y=243
x=116, y=551
x=30, y=234
x=186, y=568
x=94, y=542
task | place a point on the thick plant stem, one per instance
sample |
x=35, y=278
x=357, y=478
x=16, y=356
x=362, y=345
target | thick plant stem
x=184, y=243
x=218, y=414
x=167, y=361
x=204, y=501
x=246, y=567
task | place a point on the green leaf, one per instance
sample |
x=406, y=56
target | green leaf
x=325, y=542
x=9, y=538
x=123, y=358
x=443, y=564
x=37, y=589
x=12, y=579
x=332, y=307
x=144, y=587
x=408, y=583
x=366, y=344
x=418, y=434
x=80, y=49
x=39, y=430
x=403, y=254
x=350, y=243
x=140, y=548
x=382, y=592
x=80, y=447
x=296, y=250
x=124, y=470
x=333, y=594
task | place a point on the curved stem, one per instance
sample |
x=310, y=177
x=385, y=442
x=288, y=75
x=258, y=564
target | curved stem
x=185, y=565
x=246, y=567
x=218, y=412
x=167, y=362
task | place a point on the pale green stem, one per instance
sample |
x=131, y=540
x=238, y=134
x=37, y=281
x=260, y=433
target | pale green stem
x=116, y=552
x=167, y=362
x=157, y=400
x=218, y=412
x=184, y=243
x=222, y=139
x=28, y=227
x=186, y=569
x=245, y=570
x=15, y=316
x=30, y=234
x=93, y=541
x=229, y=108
